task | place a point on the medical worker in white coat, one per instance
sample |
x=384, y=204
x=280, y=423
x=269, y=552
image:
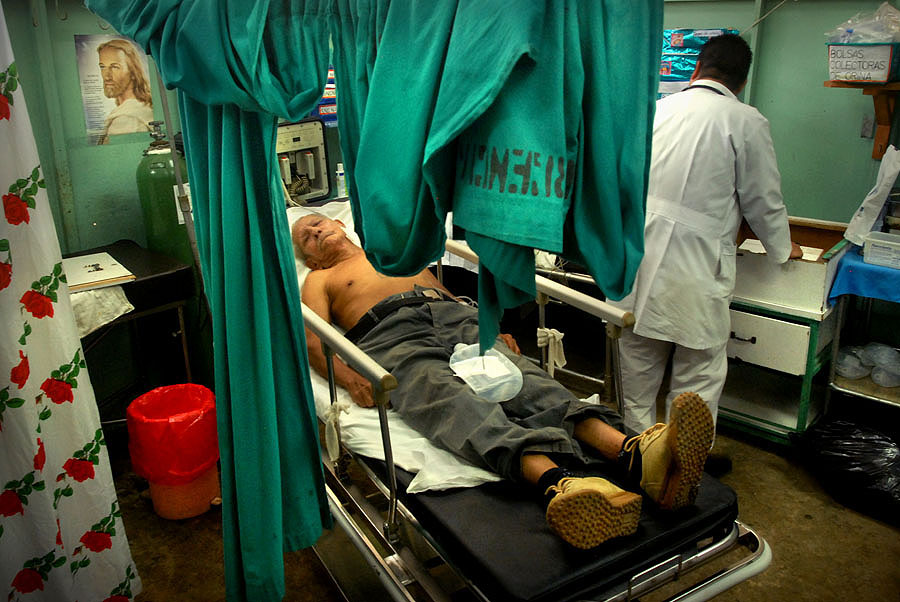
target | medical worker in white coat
x=712, y=164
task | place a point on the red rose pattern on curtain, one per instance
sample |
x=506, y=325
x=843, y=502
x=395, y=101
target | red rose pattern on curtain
x=61, y=530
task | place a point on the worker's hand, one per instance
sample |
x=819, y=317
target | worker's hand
x=796, y=251
x=361, y=392
x=510, y=342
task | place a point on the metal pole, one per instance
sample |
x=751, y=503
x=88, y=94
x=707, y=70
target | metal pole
x=542, y=300
x=183, y=201
x=613, y=333
x=391, y=526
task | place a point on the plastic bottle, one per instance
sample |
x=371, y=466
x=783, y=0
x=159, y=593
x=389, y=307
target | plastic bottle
x=339, y=178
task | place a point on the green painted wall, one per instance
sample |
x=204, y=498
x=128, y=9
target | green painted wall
x=826, y=167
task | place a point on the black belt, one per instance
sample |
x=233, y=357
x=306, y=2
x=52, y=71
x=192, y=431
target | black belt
x=388, y=306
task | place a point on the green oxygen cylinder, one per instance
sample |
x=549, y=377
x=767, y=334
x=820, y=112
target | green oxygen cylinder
x=163, y=219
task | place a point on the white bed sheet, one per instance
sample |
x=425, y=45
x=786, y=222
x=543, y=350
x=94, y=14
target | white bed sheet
x=435, y=468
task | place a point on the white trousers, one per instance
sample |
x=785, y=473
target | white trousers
x=643, y=362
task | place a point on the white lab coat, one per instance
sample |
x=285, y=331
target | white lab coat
x=712, y=162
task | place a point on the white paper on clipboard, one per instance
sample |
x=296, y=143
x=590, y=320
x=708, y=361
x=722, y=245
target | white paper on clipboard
x=752, y=245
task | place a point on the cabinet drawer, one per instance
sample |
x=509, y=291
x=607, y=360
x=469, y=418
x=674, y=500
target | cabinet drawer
x=769, y=342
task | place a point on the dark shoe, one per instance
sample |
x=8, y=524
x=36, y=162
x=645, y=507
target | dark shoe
x=717, y=465
x=587, y=511
x=673, y=454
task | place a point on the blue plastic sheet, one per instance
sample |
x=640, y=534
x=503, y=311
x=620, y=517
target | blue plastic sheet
x=856, y=277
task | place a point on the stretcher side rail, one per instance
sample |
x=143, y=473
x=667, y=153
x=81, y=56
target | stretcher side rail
x=570, y=296
x=674, y=568
x=612, y=375
x=382, y=383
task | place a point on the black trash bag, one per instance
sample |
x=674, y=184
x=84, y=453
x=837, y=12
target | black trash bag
x=858, y=466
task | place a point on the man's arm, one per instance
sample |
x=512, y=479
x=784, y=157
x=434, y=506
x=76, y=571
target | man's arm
x=510, y=342
x=315, y=297
x=759, y=192
x=746, y=232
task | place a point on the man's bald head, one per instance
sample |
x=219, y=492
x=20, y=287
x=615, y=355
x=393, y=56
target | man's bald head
x=319, y=240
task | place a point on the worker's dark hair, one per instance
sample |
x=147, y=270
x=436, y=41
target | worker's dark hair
x=727, y=58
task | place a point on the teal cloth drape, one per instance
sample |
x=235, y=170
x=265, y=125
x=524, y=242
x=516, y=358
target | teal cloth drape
x=530, y=121
x=237, y=65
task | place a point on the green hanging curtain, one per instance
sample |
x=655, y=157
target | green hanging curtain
x=238, y=66
x=530, y=121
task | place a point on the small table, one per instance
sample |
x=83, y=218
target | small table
x=857, y=278
x=161, y=284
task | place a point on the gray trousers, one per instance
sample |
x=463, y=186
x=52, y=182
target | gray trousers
x=415, y=343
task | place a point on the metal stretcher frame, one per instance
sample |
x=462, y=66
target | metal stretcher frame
x=386, y=534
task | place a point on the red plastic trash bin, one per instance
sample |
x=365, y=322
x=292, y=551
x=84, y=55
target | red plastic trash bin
x=173, y=444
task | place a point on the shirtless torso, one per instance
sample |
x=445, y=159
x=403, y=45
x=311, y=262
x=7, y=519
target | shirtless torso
x=353, y=286
x=343, y=286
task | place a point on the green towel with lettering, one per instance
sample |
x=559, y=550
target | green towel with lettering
x=531, y=122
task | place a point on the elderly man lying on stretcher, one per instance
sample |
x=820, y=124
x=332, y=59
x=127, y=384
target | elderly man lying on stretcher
x=540, y=436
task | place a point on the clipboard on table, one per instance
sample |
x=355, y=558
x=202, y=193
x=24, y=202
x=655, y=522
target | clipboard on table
x=96, y=270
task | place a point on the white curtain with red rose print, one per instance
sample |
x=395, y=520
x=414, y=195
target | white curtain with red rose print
x=61, y=532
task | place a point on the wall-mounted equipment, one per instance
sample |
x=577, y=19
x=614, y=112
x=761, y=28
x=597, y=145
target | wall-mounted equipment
x=303, y=161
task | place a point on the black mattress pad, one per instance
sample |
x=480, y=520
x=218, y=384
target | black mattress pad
x=497, y=535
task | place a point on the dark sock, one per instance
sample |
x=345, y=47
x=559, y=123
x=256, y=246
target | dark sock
x=625, y=459
x=548, y=479
x=717, y=464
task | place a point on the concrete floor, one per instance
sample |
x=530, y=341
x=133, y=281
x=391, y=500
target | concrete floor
x=822, y=550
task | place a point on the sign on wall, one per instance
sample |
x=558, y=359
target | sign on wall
x=874, y=63
x=115, y=86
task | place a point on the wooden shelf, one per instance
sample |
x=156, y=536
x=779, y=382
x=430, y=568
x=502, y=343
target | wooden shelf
x=884, y=97
x=888, y=87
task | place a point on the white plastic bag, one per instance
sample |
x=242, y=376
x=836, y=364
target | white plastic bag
x=886, y=376
x=869, y=214
x=879, y=354
x=879, y=27
x=849, y=365
x=491, y=376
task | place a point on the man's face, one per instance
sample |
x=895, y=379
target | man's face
x=114, y=70
x=317, y=237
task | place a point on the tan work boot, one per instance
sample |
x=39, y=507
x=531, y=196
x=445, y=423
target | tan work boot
x=673, y=454
x=587, y=511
